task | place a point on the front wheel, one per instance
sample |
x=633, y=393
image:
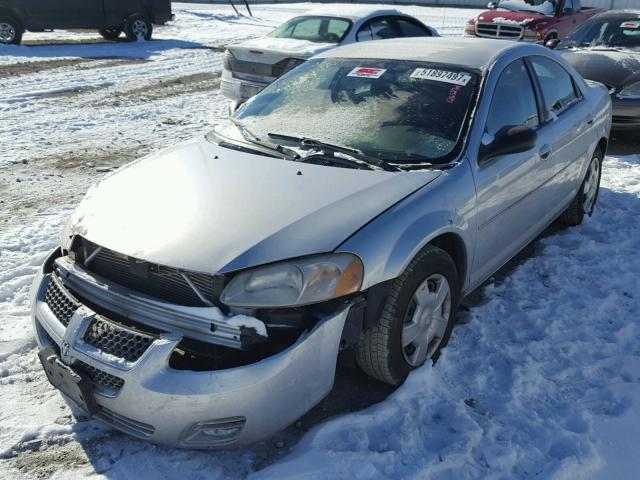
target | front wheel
x=417, y=318
x=138, y=27
x=10, y=31
x=585, y=200
x=110, y=33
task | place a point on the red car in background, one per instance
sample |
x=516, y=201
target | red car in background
x=530, y=20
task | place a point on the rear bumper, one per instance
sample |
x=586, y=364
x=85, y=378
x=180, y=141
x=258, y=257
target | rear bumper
x=239, y=90
x=626, y=114
x=190, y=409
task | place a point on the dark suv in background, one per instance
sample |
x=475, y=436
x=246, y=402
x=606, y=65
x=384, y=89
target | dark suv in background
x=110, y=17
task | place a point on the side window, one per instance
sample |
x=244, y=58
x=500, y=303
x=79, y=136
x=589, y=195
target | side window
x=376, y=29
x=514, y=102
x=558, y=88
x=409, y=28
x=577, y=7
x=338, y=28
x=567, y=9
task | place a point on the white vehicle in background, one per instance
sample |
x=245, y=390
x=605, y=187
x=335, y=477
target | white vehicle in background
x=252, y=65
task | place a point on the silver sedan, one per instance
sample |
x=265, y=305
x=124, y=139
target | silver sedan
x=200, y=296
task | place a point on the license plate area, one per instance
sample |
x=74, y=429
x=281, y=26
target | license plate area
x=68, y=381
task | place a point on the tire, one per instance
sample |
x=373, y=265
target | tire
x=11, y=31
x=380, y=352
x=585, y=200
x=137, y=27
x=111, y=34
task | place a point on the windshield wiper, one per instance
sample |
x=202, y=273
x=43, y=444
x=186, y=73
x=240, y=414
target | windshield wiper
x=251, y=137
x=311, y=144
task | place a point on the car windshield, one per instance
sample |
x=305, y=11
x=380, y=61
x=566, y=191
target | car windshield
x=398, y=111
x=544, y=7
x=618, y=33
x=313, y=29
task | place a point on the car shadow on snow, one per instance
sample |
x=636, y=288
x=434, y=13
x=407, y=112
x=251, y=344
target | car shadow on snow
x=89, y=48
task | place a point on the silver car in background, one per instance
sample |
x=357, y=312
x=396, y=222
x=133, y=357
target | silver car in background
x=200, y=296
x=254, y=64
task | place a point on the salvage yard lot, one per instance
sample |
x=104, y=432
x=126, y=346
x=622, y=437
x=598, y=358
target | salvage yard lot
x=541, y=378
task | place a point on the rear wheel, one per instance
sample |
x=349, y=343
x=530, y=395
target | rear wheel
x=11, y=31
x=110, y=33
x=417, y=319
x=585, y=200
x=138, y=27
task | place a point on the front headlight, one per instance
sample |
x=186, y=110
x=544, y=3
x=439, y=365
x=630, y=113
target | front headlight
x=530, y=34
x=296, y=282
x=630, y=91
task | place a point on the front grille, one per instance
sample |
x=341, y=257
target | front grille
x=158, y=281
x=100, y=378
x=61, y=304
x=499, y=30
x=127, y=425
x=117, y=340
x=624, y=120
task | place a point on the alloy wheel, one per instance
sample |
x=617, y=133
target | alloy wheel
x=7, y=33
x=140, y=29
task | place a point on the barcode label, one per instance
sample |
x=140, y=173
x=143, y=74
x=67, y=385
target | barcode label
x=457, y=78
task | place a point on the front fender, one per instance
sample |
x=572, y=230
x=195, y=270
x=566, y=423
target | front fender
x=389, y=243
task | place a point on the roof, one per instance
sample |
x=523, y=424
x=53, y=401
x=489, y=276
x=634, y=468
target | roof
x=618, y=14
x=351, y=12
x=475, y=53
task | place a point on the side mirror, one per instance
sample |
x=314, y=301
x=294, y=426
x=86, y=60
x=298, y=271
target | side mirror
x=509, y=140
x=492, y=5
x=552, y=43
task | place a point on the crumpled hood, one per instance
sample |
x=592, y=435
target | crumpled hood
x=205, y=208
x=268, y=50
x=613, y=68
x=507, y=17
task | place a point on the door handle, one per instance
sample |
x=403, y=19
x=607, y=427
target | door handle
x=590, y=122
x=545, y=152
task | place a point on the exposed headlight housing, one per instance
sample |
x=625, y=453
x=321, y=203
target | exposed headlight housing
x=470, y=29
x=630, y=91
x=295, y=283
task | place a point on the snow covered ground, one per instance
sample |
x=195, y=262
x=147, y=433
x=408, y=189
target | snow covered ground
x=542, y=375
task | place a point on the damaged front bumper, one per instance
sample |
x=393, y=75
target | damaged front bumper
x=137, y=390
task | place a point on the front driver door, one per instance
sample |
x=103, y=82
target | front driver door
x=67, y=13
x=507, y=209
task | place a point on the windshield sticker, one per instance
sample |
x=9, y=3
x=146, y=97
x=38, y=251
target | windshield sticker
x=631, y=24
x=453, y=93
x=457, y=78
x=365, y=72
